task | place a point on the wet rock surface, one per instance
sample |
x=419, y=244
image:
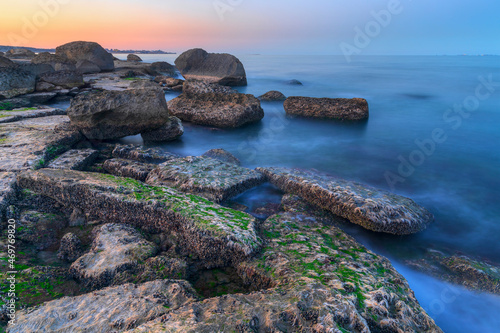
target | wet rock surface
x=142, y=154
x=272, y=96
x=128, y=168
x=204, y=176
x=40, y=229
x=222, y=155
x=75, y=159
x=373, y=209
x=171, y=131
x=334, y=108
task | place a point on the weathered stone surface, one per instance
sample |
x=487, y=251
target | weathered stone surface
x=215, y=236
x=37, y=69
x=39, y=228
x=116, y=248
x=172, y=130
x=334, y=108
x=70, y=247
x=30, y=143
x=16, y=115
x=272, y=96
x=40, y=98
x=58, y=63
x=11, y=104
x=139, y=84
x=87, y=67
x=44, y=86
x=221, y=68
x=142, y=154
x=204, y=176
x=217, y=109
x=222, y=155
x=193, y=87
x=316, y=279
x=6, y=62
x=169, y=82
x=90, y=51
x=64, y=79
x=109, y=310
x=161, y=67
x=115, y=114
x=133, y=58
x=7, y=191
x=15, y=81
x=75, y=159
x=20, y=53
x=128, y=168
x=371, y=208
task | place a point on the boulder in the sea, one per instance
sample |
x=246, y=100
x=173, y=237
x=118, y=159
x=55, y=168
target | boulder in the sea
x=58, y=62
x=90, y=51
x=272, y=96
x=294, y=82
x=115, y=114
x=75, y=159
x=221, y=68
x=20, y=53
x=15, y=81
x=222, y=155
x=133, y=58
x=161, y=68
x=172, y=130
x=333, y=108
x=70, y=247
x=64, y=79
x=372, y=208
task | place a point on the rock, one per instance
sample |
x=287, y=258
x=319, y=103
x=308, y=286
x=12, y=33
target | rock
x=214, y=236
x=19, y=53
x=313, y=278
x=7, y=105
x=70, y=248
x=222, y=155
x=7, y=192
x=128, y=168
x=58, y=63
x=15, y=81
x=77, y=218
x=39, y=229
x=204, y=176
x=172, y=130
x=44, y=87
x=373, y=209
x=133, y=58
x=142, y=154
x=75, y=159
x=37, y=69
x=116, y=248
x=272, y=96
x=224, y=69
x=217, y=109
x=64, y=79
x=161, y=67
x=40, y=98
x=30, y=143
x=194, y=87
x=115, y=114
x=16, y=115
x=294, y=82
x=141, y=84
x=87, y=67
x=6, y=62
x=334, y=108
x=169, y=82
x=90, y=51
x=108, y=310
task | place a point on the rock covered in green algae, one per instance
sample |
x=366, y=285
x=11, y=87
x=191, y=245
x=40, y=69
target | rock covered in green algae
x=373, y=209
x=40, y=229
x=128, y=168
x=75, y=159
x=213, y=235
x=112, y=309
x=204, y=176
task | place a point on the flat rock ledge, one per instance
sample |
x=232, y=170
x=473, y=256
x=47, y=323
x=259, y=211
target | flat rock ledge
x=373, y=209
x=334, y=108
x=215, y=236
x=205, y=176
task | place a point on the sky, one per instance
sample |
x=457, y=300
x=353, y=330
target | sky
x=412, y=27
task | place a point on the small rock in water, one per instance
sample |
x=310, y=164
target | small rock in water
x=272, y=96
x=334, y=108
x=294, y=82
x=133, y=58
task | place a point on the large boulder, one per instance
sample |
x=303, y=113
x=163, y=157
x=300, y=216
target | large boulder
x=90, y=51
x=19, y=53
x=15, y=81
x=334, y=108
x=161, y=67
x=58, y=62
x=115, y=114
x=133, y=58
x=218, y=109
x=37, y=69
x=373, y=209
x=223, y=68
x=6, y=62
x=87, y=67
x=64, y=79
x=171, y=131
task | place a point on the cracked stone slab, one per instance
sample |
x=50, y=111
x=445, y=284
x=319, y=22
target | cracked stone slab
x=25, y=113
x=75, y=159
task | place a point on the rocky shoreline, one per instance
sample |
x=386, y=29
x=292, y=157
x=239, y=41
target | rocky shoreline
x=124, y=238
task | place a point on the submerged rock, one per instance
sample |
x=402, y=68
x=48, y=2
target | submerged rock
x=108, y=310
x=223, y=68
x=334, y=108
x=90, y=51
x=272, y=96
x=215, y=236
x=128, y=168
x=115, y=114
x=142, y=154
x=172, y=130
x=373, y=209
x=15, y=81
x=222, y=155
x=75, y=159
x=208, y=177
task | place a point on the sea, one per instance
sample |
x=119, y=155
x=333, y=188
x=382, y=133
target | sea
x=433, y=135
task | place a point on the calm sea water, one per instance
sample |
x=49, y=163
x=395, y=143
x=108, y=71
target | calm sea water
x=410, y=98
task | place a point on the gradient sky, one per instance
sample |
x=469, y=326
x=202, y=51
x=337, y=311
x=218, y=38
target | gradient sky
x=255, y=26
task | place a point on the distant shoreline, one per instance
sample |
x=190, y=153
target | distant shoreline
x=5, y=48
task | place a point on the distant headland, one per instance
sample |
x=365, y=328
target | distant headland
x=5, y=48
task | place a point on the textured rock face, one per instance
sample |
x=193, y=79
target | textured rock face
x=334, y=108
x=215, y=236
x=20, y=54
x=70, y=248
x=65, y=79
x=36, y=69
x=6, y=62
x=109, y=310
x=7, y=190
x=142, y=154
x=217, y=109
x=90, y=51
x=272, y=96
x=172, y=130
x=371, y=208
x=87, y=67
x=75, y=159
x=193, y=87
x=58, y=63
x=317, y=279
x=133, y=58
x=39, y=229
x=222, y=155
x=224, y=68
x=15, y=81
x=16, y=115
x=116, y=248
x=139, y=84
x=115, y=114
x=162, y=67
x=208, y=177
x=128, y=168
